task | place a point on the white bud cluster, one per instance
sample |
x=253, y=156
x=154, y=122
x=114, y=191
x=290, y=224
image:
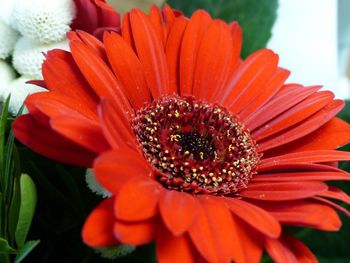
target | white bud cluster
x=43, y=21
x=28, y=56
x=28, y=29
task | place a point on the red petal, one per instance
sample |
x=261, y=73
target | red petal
x=138, y=199
x=114, y=168
x=115, y=125
x=255, y=217
x=304, y=157
x=98, y=74
x=249, y=79
x=126, y=31
x=213, y=233
x=128, y=69
x=82, y=131
x=213, y=65
x=89, y=40
x=279, y=251
x=171, y=249
x=136, y=233
x=172, y=52
x=286, y=98
x=334, y=205
x=44, y=140
x=304, y=167
x=298, y=113
x=98, y=227
x=236, y=33
x=178, y=210
x=283, y=190
x=169, y=18
x=150, y=52
x=67, y=81
x=306, y=127
x=156, y=18
x=303, y=213
x=319, y=139
x=301, y=252
x=192, y=38
x=301, y=176
x=46, y=105
x=267, y=92
x=336, y=193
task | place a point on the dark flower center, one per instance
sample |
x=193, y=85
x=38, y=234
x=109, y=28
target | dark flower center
x=195, y=146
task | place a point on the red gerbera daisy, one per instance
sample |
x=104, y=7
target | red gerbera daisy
x=212, y=157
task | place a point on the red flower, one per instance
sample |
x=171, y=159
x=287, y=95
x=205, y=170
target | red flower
x=212, y=157
x=95, y=16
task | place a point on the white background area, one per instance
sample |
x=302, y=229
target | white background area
x=305, y=37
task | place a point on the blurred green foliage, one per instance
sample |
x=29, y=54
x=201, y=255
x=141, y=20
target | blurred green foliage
x=256, y=17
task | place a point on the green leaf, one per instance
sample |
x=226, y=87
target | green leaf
x=3, y=120
x=5, y=248
x=27, y=208
x=25, y=250
x=256, y=17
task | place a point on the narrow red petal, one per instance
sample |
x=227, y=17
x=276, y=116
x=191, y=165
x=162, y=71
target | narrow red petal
x=213, y=65
x=213, y=231
x=127, y=32
x=288, y=96
x=114, y=168
x=319, y=139
x=336, y=193
x=304, y=157
x=178, y=211
x=128, y=69
x=173, y=249
x=249, y=79
x=237, y=36
x=303, y=213
x=172, y=52
x=115, y=125
x=150, y=52
x=279, y=251
x=301, y=252
x=267, y=92
x=82, y=131
x=283, y=190
x=136, y=233
x=98, y=74
x=306, y=127
x=98, y=227
x=255, y=217
x=195, y=30
x=156, y=18
x=44, y=140
x=138, y=199
x=89, y=40
x=301, y=176
x=298, y=113
x=334, y=205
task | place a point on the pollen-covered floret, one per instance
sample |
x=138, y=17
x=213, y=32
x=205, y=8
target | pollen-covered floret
x=19, y=90
x=8, y=38
x=44, y=21
x=28, y=56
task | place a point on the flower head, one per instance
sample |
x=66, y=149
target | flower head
x=206, y=154
x=43, y=21
x=8, y=37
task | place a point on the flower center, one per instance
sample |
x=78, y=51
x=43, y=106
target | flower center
x=195, y=146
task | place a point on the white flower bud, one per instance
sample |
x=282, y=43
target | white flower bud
x=8, y=39
x=42, y=20
x=7, y=74
x=28, y=56
x=19, y=90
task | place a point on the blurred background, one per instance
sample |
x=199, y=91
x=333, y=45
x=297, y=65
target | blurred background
x=312, y=37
